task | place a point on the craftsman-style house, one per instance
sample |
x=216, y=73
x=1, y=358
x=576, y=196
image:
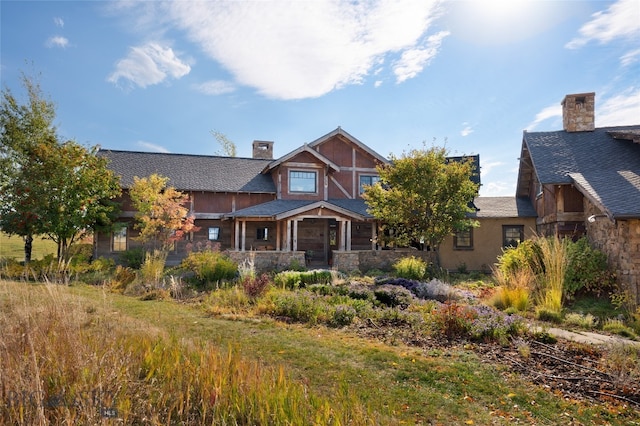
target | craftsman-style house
x=585, y=180
x=305, y=206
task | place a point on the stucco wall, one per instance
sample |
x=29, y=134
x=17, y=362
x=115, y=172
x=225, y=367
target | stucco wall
x=487, y=245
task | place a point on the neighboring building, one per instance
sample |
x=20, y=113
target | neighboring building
x=585, y=180
x=504, y=222
x=306, y=205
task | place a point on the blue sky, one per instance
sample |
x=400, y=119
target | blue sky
x=469, y=75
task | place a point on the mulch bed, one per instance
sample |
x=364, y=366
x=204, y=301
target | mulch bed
x=574, y=371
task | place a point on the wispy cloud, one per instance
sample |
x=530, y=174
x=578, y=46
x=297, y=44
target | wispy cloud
x=413, y=61
x=57, y=41
x=152, y=147
x=148, y=65
x=623, y=109
x=547, y=113
x=58, y=22
x=304, y=49
x=618, y=21
x=630, y=57
x=467, y=130
x=215, y=87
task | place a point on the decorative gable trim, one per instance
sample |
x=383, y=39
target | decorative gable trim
x=320, y=205
x=354, y=140
x=292, y=154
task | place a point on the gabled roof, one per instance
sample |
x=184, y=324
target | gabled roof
x=304, y=148
x=354, y=140
x=604, y=164
x=192, y=172
x=503, y=207
x=281, y=209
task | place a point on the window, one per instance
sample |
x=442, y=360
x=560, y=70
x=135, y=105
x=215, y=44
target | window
x=214, y=233
x=512, y=235
x=120, y=239
x=303, y=182
x=463, y=240
x=262, y=234
x=367, y=180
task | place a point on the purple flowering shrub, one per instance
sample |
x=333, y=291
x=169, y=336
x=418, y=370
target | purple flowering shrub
x=431, y=290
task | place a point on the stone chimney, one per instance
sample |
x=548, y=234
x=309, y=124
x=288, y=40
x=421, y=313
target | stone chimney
x=263, y=150
x=578, y=112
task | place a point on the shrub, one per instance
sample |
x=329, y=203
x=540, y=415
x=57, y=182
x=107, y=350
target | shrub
x=452, y=320
x=361, y=292
x=516, y=298
x=132, y=258
x=255, y=287
x=11, y=269
x=622, y=361
x=587, y=321
x=300, y=307
x=552, y=264
x=342, y=315
x=411, y=268
x=393, y=296
x=544, y=314
x=492, y=325
x=122, y=277
x=588, y=270
x=227, y=300
x=210, y=266
x=524, y=256
x=616, y=326
x=152, y=269
x=298, y=279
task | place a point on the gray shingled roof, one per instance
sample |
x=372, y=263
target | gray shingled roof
x=193, y=172
x=603, y=167
x=503, y=207
x=273, y=208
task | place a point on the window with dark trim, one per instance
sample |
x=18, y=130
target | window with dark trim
x=463, y=240
x=512, y=235
x=119, y=239
x=305, y=182
x=262, y=234
x=367, y=180
x=214, y=233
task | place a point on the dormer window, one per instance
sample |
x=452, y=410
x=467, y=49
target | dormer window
x=367, y=180
x=303, y=182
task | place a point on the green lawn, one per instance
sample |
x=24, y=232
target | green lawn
x=13, y=247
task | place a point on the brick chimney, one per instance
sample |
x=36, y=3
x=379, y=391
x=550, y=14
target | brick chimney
x=578, y=112
x=263, y=150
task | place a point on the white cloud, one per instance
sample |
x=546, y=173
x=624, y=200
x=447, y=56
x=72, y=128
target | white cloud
x=547, y=113
x=304, y=49
x=618, y=21
x=57, y=41
x=58, y=22
x=413, y=61
x=487, y=166
x=215, y=87
x=623, y=109
x=152, y=147
x=467, y=130
x=630, y=57
x=149, y=64
x=377, y=83
x=498, y=188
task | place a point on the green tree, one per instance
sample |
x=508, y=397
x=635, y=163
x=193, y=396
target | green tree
x=23, y=127
x=422, y=196
x=228, y=148
x=75, y=193
x=162, y=216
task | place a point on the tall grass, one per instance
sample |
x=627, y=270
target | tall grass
x=64, y=360
x=515, y=287
x=552, y=263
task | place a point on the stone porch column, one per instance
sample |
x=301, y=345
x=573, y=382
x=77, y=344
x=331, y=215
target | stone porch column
x=295, y=235
x=348, y=244
x=236, y=237
x=244, y=235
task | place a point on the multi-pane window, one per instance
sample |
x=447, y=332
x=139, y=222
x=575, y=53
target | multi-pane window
x=262, y=234
x=214, y=233
x=512, y=235
x=367, y=180
x=463, y=240
x=119, y=242
x=303, y=181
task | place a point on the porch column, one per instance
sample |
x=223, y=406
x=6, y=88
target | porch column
x=288, y=236
x=348, y=247
x=374, y=235
x=278, y=231
x=244, y=235
x=236, y=237
x=343, y=235
x=295, y=235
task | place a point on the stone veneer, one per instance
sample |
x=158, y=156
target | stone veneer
x=620, y=241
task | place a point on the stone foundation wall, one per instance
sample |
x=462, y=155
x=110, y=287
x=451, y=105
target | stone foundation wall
x=366, y=260
x=267, y=261
x=620, y=241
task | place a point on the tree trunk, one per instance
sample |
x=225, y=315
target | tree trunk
x=28, y=247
